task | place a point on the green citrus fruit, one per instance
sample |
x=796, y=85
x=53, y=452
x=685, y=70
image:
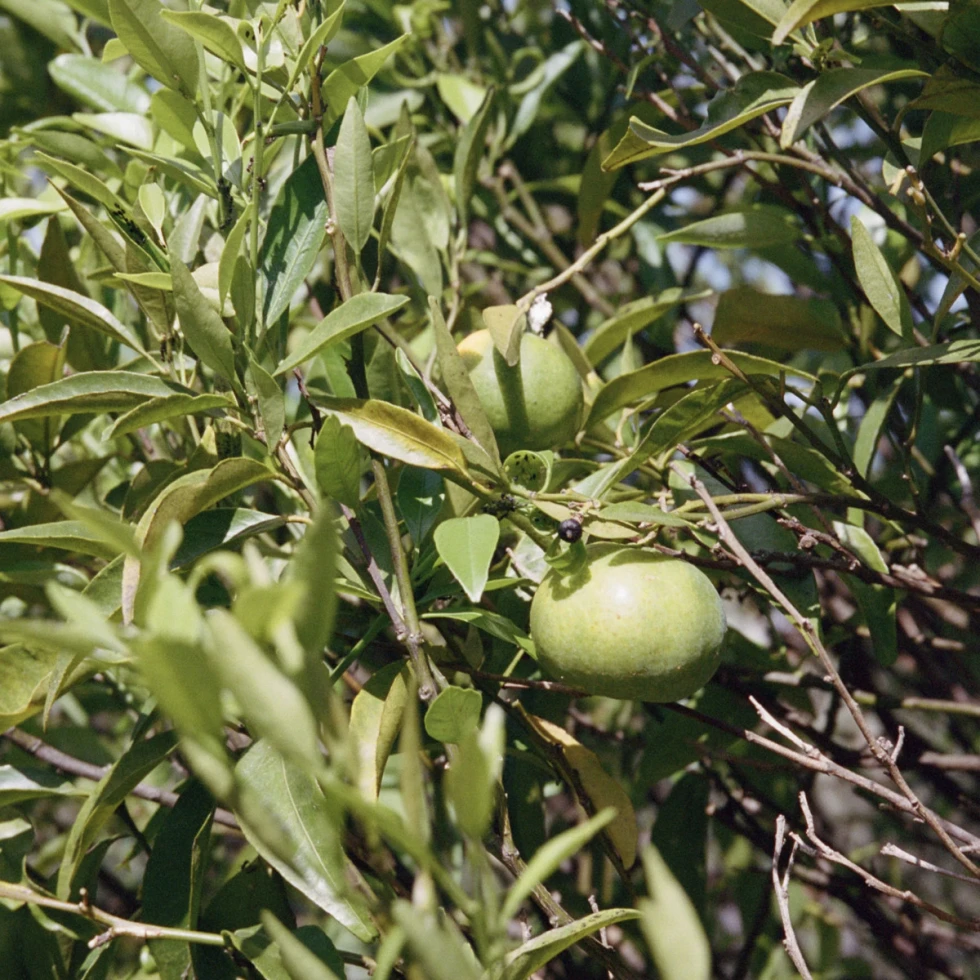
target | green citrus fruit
x=629, y=624
x=535, y=405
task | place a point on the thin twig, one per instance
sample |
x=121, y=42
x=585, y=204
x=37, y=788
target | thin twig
x=781, y=887
x=78, y=767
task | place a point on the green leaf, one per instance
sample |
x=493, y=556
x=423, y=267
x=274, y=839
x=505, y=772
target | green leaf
x=98, y=86
x=217, y=35
x=375, y=719
x=829, y=90
x=880, y=284
x=467, y=545
x=337, y=460
x=680, y=833
x=351, y=317
x=347, y=79
x=945, y=129
x=183, y=681
x=88, y=392
x=636, y=513
x=507, y=326
x=437, y=944
x=229, y=255
x=18, y=208
x=757, y=17
x=354, y=178
x=160, y=49
x=179, y=501
x=756, y=226
x=313, y=566
x=50, y=18
x=460, y=386
x=953, y=352
x=420, y=496
x=167, y=407
x=869, y=431
x=314, y=825
x=293, y=238
x=136, y=762
x=272, y=407
x=398, y=433
x=65, y=535
x=678, y=369
x=790, y=323
x=803, y=12
x=84, y=181
x=671, y=925
x=221, y=527
x=269, y=700
x=24, y=676
x=469, y=149
x=323, y=35
x=20, y=784
x=74, y=307
x=549, y=857
x=300, y=961
x=453, y=714
x=753, y=95
x=535, y=953
x=32, y=366
x=634, y=317
x=877, y=603
x=174, y=876
x=203, y=329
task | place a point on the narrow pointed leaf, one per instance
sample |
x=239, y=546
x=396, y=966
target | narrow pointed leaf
x=201, y=326
x=356, y=314
x=75, y=307
x=354, y=178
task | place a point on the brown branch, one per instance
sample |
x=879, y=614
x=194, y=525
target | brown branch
x=77, y=767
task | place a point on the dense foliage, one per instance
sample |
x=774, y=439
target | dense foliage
x=270, y=701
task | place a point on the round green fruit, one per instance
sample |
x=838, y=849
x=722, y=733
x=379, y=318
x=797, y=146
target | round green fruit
x=629, y=624
x=535, y=405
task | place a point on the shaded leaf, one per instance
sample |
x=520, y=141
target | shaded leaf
x=753, y=95
x=354, y=178
x=420, y=497
x=756, y=226
x=201, y=326
x=459, y=384
x=337, y=460
x=351, y=317
x=601, y=790
x=679, y=369
x=880, y=284
x=632, y=318
x=135, y=763
x=469, y=149
x=828, y=91
x=787, y=322
x=293, y=237
x=803, y=12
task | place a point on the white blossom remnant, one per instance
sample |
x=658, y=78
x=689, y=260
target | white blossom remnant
x=539, y=314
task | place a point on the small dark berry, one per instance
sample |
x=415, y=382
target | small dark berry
x=570, y=530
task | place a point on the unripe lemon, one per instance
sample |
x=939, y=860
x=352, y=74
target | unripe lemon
x=629, y=624
x=536, y=405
